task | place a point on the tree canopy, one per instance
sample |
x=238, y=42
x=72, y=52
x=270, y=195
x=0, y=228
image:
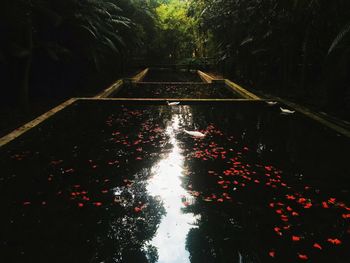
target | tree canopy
x=294, y=47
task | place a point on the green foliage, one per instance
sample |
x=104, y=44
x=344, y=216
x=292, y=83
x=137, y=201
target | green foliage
x=294, y=46
x=286, y=45
x=43, y=33
x=175, y=30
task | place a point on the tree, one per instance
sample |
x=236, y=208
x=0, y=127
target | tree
x=66, y=30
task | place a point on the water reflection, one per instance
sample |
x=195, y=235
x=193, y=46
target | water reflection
x=165, y=184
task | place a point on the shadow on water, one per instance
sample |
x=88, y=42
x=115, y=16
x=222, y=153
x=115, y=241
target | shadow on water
x=104, y=182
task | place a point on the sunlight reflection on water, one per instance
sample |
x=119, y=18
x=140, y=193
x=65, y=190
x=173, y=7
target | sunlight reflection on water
x=170, y=239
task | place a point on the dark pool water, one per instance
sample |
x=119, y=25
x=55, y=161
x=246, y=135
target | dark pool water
x=168, y=75
x=109, y=182
x=175, y=90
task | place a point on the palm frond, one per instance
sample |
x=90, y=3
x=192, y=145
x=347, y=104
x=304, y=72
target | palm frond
x=341, y=35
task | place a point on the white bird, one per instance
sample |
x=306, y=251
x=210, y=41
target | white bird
x=286, y=111
x=172, y=103
x=271, y=103
x=195, y=133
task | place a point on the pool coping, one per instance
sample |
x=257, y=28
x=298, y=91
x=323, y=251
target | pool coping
x=230, y=84
x=29, y=125
x=119, y=83
x=332, y=124
x=103, y=96
x=26, y=127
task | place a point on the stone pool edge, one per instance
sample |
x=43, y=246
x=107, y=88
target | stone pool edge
x=26, y=127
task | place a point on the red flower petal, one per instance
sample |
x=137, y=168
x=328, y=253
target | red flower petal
x=301, y=200
x=318, y=246
x=332, y=200
x=303, y=256
x=278, y=231
x=308, y=205
x=137, y=209
x=272, y=253
x=345, y=216
x=295, y=238
x=334, y=241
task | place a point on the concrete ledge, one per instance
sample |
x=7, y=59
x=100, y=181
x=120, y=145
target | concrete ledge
x=230, y=84
x=19, y=131
x=314, y=116
x=205, y=77
x=119, y=83
x=168, y=99
x=140, y=76
x=238, y=89
x=112, y=89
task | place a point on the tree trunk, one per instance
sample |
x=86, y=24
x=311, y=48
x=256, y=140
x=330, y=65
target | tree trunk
x=24, y=68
